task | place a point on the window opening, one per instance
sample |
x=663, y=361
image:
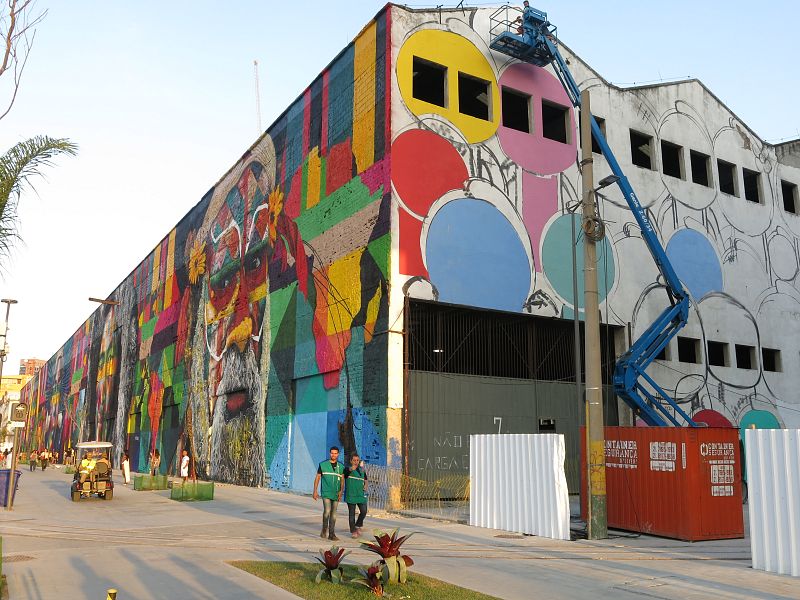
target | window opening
x=745, y=356
x=789, y=193
x=771, y=359
x=700, y=164
x=727, y=177
x=429, y=82
x=601, y=123
x=672, y=159
x=688, y=350
x=752, y=185
x=641, y=150
x=473, y=97
x=516, y=110
x=554, y=122
x=717, y=354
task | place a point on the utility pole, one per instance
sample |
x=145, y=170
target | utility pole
x=14, y=450
x=597, y=519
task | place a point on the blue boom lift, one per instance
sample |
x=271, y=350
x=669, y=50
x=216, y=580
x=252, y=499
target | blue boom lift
x=531, y=38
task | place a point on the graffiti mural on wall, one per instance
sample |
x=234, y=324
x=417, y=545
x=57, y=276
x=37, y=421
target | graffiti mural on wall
x=253, y=335
x=483, y=214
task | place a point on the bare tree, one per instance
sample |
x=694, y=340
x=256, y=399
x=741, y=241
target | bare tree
x=18, y=19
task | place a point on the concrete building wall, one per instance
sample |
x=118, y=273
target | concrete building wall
x=480, y=214
x=254, y=335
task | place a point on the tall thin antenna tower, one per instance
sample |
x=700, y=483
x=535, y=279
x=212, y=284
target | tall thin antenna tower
x=258, y=98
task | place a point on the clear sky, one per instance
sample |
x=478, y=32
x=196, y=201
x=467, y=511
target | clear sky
x=160, y=97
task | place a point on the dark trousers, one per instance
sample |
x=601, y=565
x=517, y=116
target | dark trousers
x=32, y=465
x=362, y=512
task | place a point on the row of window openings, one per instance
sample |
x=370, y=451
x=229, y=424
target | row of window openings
x=429, y=84
x=474, y=99
x=672, y=162
x=718, y=354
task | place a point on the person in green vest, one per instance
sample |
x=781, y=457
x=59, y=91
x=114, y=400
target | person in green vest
x=355, y=494
x=330, y=473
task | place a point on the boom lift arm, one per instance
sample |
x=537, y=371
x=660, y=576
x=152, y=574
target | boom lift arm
x=532, y=39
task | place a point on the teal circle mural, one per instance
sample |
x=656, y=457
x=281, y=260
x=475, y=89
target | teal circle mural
x=557, y=260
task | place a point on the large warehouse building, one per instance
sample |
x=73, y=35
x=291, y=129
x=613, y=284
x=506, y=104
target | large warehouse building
x=389, y=268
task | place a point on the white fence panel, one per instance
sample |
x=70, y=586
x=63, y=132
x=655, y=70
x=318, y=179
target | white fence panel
x=517, y=483
x=773, y=483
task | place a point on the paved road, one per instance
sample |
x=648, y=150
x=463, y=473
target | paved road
x=148, y=546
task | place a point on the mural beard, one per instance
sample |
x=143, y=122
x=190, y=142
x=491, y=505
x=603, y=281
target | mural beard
x=237, y=431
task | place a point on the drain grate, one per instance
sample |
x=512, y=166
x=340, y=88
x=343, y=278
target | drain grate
x=510, y=536
x=17, y=558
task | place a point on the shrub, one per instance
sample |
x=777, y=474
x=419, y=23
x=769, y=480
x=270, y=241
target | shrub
x=331, y=560
x=394, y=564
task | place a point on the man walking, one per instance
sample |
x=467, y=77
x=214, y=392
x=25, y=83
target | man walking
x=355, y=494
x=330, y=474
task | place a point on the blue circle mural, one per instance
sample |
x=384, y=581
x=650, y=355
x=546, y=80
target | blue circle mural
x=557, y=260
x=695, y=262
x=475, y=257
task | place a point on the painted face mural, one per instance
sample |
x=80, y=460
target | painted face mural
x=235, y=305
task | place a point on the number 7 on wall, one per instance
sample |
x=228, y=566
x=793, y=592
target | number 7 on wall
x=499, y=422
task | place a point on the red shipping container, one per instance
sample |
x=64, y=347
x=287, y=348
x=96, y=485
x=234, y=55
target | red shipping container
x=676, y=482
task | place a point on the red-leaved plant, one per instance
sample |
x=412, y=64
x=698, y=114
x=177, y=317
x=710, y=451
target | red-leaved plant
x=394, y=564
x=331, y=560
x=372, y=577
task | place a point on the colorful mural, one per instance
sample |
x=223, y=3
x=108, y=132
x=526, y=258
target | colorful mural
x=253, y=335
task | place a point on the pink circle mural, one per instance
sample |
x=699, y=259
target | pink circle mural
x=532, y=151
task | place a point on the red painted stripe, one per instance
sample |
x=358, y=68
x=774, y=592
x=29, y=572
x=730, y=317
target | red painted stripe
x=324, y=136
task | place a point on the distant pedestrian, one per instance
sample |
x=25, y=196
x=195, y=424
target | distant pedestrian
x=44, y=459
x=185, y=466
x=126, y=469
x=329, y=473
x=355, y=494
x=155, y=462
x=33, y=459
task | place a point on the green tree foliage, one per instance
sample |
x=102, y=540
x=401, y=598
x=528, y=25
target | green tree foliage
x=18, y=166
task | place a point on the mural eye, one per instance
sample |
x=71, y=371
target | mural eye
x=221, y=280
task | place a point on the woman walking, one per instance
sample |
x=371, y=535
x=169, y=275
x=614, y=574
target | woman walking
x=126, y=469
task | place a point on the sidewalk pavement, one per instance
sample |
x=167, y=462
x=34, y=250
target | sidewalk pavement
x=148, y=546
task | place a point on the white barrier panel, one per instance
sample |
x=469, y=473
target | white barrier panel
x=773, y=484
x=517, y=483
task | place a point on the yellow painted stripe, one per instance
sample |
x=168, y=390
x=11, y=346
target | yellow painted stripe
x=314, y=173
x=364, y=98
x=156, y=268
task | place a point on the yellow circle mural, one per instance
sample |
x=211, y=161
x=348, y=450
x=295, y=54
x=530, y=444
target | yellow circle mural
x=449, y=60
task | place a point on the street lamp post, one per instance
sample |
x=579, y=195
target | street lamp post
x=14, y=450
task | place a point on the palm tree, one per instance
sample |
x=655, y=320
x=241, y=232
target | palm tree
x=17, y=166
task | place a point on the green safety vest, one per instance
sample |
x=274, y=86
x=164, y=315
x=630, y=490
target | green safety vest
x=331, y=479
x=354, y=491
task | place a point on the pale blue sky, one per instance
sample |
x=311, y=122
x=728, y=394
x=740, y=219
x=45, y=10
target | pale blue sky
x=160, y=97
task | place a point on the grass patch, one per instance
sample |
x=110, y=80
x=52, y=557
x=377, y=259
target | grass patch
x=298, y=578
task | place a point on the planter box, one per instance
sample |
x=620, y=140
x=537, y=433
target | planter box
x=143, y=483
x=192, y=490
